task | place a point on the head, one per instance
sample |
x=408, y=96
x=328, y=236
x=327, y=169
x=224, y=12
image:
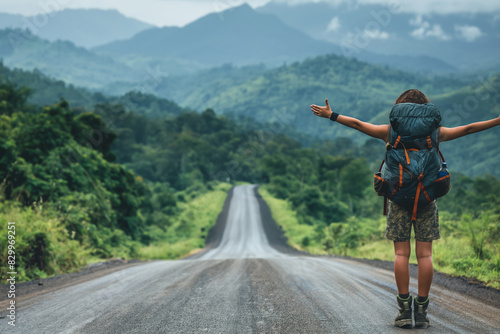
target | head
x=412, y=96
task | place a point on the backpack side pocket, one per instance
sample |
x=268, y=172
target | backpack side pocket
x=442, y=185
x=381, y=186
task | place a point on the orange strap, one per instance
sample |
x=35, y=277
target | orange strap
x=400, y=175
x=441, y=155
x=442, y=178
x=426, y=194
x=413, y=149
x=429, y=142
x=417, y=196
x=381, y=165
x=415, y=205
x=406, y=154
x=397, y=142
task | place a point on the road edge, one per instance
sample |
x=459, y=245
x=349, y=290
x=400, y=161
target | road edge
x=274, y=232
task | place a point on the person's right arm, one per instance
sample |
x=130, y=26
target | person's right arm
x=447, y=134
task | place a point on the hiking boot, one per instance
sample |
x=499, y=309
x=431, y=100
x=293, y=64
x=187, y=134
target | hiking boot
x=404, y=317
x=420, y=314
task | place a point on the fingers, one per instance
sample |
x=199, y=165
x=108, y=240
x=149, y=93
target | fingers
x=327, y=104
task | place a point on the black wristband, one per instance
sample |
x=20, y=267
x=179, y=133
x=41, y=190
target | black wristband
x=334, y=116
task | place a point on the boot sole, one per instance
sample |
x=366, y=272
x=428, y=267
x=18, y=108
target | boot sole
x=421, y=324
x=403, y=323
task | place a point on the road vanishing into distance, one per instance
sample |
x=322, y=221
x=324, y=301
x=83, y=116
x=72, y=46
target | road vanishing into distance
x=244, y=286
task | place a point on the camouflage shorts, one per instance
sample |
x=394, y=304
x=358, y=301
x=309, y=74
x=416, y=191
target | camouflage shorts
x=399, y=223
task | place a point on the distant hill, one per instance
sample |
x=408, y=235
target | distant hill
x=83, y=27
x=464, y=40
x=62, y=60
x=47, y=91
x=359, y=88
x=356, y=88
x=239, y=36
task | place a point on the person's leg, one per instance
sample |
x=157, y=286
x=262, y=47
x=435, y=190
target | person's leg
x=399, y=231
x=426, y=230
x=423, y=251
x=402, y=251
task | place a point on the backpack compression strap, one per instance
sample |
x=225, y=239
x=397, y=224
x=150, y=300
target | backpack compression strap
x=420, y=188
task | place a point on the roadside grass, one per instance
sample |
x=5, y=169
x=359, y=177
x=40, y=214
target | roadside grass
x=41, y=246
x=468, y=247
x=190, y=226
x=300, y=236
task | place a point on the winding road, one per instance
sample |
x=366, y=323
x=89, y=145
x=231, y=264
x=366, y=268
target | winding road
x=244, y=286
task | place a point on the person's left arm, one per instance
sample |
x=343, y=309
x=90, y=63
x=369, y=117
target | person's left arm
x=447, y=134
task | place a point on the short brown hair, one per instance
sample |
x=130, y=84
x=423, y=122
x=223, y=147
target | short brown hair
x=412, y=96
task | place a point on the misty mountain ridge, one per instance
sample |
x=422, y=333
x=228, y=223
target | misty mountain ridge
x=243, y=36
x=239, y=35
x=83, y=27
x=61, y=59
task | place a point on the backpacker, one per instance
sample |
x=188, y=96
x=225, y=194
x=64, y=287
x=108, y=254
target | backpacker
x=411, y=174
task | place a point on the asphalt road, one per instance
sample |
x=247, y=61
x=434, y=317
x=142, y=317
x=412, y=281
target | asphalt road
x=244, y=286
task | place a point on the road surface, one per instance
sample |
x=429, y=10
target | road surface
x=244, y=286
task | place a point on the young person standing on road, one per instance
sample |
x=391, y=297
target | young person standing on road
x=400, y=219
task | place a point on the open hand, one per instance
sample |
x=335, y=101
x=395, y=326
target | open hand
x=325, y=111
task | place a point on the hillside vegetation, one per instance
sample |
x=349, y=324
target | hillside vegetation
x=355, y=89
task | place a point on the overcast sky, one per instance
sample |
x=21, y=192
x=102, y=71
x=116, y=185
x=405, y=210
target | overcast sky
x=181, y=12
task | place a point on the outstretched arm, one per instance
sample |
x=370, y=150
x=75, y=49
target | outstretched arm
x=446, y=134
x=375, y=131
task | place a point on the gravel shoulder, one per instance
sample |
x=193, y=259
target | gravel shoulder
x=38, y=287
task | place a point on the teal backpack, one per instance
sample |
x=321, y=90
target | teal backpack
x=413, y=175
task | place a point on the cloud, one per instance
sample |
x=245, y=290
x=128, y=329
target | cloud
x=469, y=33
x=376, y=34
x=425, y=29
x=421, y=6
x=334, y=24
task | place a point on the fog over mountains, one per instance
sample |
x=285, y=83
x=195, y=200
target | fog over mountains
x=464, y=40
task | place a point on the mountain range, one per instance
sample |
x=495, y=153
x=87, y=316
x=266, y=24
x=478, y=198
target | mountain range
x=239, y=35
x=243, y=36
x=272, y=36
